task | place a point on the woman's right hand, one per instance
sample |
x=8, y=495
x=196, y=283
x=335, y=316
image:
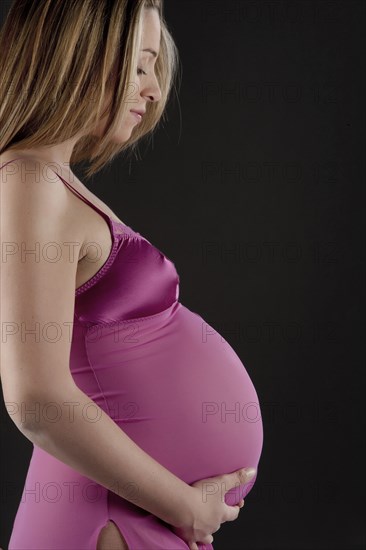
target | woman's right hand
x=208, y=508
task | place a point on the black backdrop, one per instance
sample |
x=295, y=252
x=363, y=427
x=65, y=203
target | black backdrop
x=255, y=189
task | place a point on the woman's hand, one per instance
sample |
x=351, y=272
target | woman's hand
x=209, y=509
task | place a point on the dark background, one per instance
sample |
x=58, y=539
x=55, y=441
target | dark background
x=255, y=189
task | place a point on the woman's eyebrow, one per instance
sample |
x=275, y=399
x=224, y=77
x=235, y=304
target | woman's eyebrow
x=151, y=51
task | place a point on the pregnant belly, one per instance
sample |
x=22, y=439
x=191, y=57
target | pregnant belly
x=179, y=390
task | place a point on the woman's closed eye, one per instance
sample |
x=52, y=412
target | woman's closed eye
x=140, y=71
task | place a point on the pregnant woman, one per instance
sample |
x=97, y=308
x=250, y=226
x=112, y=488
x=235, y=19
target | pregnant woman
x=144, y=421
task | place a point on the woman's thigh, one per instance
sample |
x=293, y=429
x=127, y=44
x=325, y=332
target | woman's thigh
x=110, y=538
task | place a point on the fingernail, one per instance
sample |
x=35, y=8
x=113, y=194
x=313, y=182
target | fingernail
x=250, y=472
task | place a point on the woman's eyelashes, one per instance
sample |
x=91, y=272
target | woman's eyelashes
x=140, y=71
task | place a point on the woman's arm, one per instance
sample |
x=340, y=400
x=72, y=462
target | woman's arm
x=37, y=309
x=101, y=451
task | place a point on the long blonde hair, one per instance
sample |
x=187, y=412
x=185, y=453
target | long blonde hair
x=60, y=60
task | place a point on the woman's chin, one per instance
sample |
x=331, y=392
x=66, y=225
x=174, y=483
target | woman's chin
x=122, y=136
x=124, y=133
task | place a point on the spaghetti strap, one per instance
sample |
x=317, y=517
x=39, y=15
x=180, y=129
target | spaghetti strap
x=9, y=161
x=76, y=192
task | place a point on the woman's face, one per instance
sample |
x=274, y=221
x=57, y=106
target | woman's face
x=145, y=86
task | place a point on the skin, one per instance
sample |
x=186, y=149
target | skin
x=148, y=90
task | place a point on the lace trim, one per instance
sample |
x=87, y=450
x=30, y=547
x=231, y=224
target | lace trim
x=117, y=237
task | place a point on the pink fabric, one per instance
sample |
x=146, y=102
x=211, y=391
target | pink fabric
x=166, y=377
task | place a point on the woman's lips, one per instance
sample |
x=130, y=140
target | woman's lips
x=136, y=115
